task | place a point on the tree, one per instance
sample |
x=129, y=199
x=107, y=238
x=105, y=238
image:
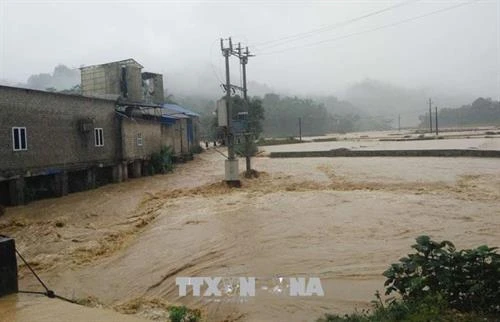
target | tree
x=255, y=112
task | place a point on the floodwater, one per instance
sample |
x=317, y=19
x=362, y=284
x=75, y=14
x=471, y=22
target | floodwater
x=344, y=220
x=370, y=143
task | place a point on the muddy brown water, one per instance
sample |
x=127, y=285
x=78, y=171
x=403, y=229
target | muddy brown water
x=342, y=220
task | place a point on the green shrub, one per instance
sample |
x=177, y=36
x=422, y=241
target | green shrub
x=437, y=283
x=241, y=148
x=183, y=314
x=196, y=149
x=468, y=279
x=161, y=162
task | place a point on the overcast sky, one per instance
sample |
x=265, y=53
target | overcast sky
x=453, y=50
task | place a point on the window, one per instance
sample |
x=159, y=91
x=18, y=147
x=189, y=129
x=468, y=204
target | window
x=99, y=140
x=139, y=139
x=19, y=141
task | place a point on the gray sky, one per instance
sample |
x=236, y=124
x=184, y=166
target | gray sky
x=456, y=50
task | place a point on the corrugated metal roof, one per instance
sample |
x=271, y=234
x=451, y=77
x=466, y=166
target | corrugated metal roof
x=180, y=110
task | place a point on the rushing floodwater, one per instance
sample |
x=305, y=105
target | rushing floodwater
x=343, y=220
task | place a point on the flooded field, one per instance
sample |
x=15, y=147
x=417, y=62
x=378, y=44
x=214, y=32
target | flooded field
x=377, y=142
x=341, y=219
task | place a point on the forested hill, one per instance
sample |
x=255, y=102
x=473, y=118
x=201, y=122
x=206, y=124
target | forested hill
x=482, y=112
x=317, y=116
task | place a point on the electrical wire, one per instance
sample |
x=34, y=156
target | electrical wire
x=291, y=38
x=49, y=293
x=369, y=30
x=217, y=76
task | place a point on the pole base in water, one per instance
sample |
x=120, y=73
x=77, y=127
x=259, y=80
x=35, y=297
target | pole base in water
x=233, y=183
x=232, y=173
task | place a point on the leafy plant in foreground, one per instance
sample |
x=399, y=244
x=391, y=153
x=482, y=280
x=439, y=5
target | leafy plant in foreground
x=468, y=279
x=437, y=283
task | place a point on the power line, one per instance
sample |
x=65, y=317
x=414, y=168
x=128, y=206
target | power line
x=291, y=38
x=370, y=30
x=217, y=76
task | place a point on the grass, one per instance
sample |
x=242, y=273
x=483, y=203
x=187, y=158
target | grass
x=432, y=308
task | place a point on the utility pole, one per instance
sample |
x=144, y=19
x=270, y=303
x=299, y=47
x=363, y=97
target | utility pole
x=244, y=61
x=399, y=122
x=437, y=130
x=430, y=114
x=300, y=129
x=231, y=164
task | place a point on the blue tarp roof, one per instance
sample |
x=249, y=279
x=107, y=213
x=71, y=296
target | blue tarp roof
x=180, y=110
x=167, y=120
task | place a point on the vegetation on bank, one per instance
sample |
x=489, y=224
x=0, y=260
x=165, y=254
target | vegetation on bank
x=437, y=283
x=481, y=112
x=183, y=314
x=161, y=162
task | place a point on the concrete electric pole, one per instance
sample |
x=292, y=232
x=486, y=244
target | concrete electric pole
x=437, y=130
x=430, y=114
x=231, y=164
x=243, y=56
x=300, y=129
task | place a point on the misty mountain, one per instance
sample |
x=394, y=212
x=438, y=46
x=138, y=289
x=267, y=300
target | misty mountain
x=384, y=100
x=259, y=89
x=62, y=78
x=338, y=107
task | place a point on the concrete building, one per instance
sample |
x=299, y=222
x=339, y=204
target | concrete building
x=53, y=143
x=188, y=126
x=112, y=80
x=122, y=79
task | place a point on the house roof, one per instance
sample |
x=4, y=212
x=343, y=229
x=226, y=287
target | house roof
x=129, y=61
x=72, y=95
x=179, y=110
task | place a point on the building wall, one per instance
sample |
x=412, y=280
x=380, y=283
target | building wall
x=149, y=131
x=134, y=84
x=182, y=136
x=60, y=132
x=106, y=80
x=153, y=88
x=168, y=137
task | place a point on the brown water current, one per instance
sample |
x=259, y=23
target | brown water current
x=343, y=220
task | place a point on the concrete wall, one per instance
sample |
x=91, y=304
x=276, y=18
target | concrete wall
x=168, y=137
x=106, y=80
x=183, y=136
x=101, y=80
x=153, y=88
x=159, y=95
x=151, y=133
x=60, y=132
x=387, y=153
x=134, y=84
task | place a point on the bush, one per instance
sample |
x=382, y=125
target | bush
x=430, y=308
x=241, y=148
x=437, y=283
x=183, y=314
x=196, y=149
x=468, y=279
x=161, y=162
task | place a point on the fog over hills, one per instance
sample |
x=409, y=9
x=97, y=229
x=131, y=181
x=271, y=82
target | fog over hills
x=368, y=98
